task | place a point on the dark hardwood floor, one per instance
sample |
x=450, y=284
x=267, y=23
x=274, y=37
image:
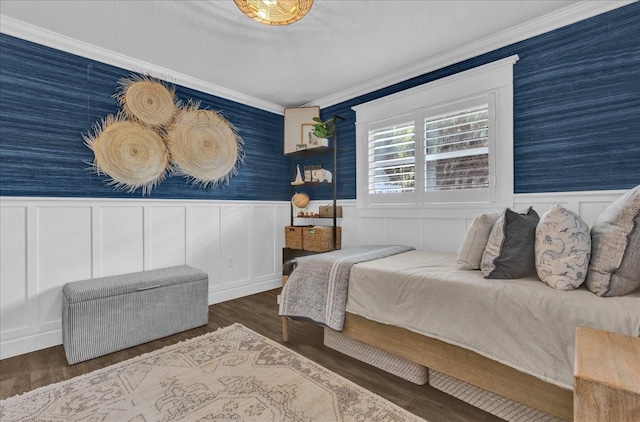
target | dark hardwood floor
x=259, y=313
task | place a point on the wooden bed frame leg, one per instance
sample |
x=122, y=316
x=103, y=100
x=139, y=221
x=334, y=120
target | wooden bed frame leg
x=285, y=329
x=285, y=320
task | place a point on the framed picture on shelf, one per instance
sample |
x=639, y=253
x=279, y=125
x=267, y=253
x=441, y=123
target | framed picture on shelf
x=306, y=133
x=294, y=118
x=308, y=172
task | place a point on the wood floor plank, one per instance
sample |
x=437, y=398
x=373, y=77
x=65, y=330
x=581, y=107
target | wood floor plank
x=259, y=313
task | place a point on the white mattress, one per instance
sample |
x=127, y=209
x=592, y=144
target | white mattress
x=522, y=323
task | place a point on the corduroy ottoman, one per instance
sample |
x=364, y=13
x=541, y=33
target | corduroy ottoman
x=104, y=315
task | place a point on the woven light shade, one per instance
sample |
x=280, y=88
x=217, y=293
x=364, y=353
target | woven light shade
x=204, y=146
x=147, y=100
x=133, y=155
x=275, y=12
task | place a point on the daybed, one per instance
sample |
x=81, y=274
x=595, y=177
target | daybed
x=513, y=337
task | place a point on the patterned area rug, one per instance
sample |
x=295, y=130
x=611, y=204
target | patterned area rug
x=230, y=374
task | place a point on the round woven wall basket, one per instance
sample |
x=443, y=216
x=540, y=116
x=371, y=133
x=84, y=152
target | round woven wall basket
x=204, y=146
x=133, y=155
x=147, y=100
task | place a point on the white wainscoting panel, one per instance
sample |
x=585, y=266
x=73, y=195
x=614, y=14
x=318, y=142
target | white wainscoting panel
x=236, y=251
x=405, y=231
x=349, y=224
x=64, y=254
x=264, y=229
x=204, y=247
x=588, y=205
x=47, y=242
x=13, y=278
x=444, y=234
x=442, y=229
x=371, y=230
x=121, y=240
x=167, y=236
x=437, y=228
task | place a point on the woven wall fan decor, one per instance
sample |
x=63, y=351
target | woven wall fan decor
x=204, y=146
x=154, y=134
x=147, y=99
x=133, y=155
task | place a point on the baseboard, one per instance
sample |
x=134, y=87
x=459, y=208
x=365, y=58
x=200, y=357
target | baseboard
x=27, y=344
x=234, y=293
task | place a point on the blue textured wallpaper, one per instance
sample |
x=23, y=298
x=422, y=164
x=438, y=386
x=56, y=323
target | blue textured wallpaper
x=48, y=98
x=576, y=118
x=576, y=107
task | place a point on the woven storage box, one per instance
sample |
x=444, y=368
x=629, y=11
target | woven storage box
x=379, y=358
x=320, y=239
x=293, y=237
x=504, y=408
x=327, y=212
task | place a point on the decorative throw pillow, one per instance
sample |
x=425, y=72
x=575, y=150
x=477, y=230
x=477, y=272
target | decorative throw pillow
x=510, y=248
x=614, y=269
x=470, y=251
x=563, y=247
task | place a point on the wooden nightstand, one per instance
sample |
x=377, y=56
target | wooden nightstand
x=606, y=377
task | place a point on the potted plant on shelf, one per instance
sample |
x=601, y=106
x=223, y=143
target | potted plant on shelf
x=322, y=131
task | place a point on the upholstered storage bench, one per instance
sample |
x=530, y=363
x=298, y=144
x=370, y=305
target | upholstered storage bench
x=104, y=315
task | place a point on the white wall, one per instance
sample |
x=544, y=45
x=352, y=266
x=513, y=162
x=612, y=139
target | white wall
x=46, y=242
x=443, y=229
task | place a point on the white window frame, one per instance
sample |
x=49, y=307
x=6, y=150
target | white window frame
x=493, y=82
x=469, y=195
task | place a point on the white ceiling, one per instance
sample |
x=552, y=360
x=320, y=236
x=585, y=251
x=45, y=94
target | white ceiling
x=337, y=46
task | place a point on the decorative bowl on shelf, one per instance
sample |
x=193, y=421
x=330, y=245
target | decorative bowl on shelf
x=300, y=200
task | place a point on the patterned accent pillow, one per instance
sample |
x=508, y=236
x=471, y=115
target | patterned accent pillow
x=563, y=247
x=470, y=251
x=614, y=269
x=510, y=251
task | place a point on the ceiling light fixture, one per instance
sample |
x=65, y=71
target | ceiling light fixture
x=274, y=12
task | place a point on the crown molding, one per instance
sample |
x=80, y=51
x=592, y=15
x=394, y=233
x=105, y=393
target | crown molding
x=28, y=32
x=566, y=16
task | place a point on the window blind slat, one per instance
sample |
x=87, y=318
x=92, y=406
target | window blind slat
x=392, y=159
x=456, y=150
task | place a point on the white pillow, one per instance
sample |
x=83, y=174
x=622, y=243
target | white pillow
x=563, y=248
x=614, y=269
x=472, y=247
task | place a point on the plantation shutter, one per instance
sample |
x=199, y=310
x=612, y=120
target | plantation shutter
x=392, y=159
x=457, y=150
x=447, y=144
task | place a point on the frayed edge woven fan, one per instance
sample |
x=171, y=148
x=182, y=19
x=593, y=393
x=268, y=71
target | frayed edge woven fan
x=136, y=146
x=204, y=146
x=133, y=155
x=147, y=99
